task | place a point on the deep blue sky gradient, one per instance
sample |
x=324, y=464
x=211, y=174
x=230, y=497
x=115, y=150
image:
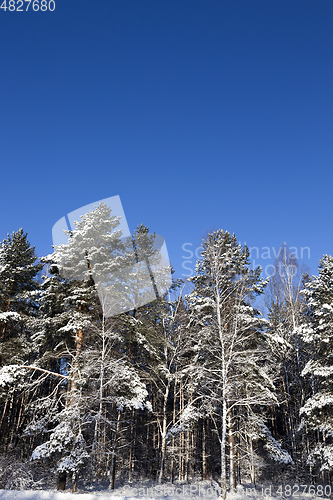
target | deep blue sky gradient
x=200, y=114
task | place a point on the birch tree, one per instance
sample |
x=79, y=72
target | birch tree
x=232, y=350
x=284, y=301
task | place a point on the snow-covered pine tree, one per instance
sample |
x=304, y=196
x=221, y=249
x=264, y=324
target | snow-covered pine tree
x=112, y=389
x=71, y=318
x=233, y=370
x=51, y=343
x=47, y=412
x=18, y=290
x=97, y=266
x=18, y=303
x=316, y=331
x=151, y=343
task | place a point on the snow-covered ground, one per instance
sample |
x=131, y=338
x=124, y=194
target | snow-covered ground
x=50, y=495
x=167, y=492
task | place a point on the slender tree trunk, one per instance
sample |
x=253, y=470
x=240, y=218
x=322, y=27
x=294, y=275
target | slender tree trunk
x=113, y=459
x=232, y=465
x=187, y=446
x=223, y=451
x=147, y=451
x=204, y=451
x=97, y=444
x=181, y=436
x=291, y=419
x=130, y=463
x=4, y=411
x=252, y=469
x=163, y=435
x=224, y=378
x=173, y=438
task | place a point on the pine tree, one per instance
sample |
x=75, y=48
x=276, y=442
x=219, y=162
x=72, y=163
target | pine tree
x=316, y=331
x=54, y=415
x=96, y=265
x=150, y=340
x=18, y=291
x=18, y=303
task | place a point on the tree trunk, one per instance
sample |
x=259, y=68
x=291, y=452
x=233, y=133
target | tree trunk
x=163, y=436
x=181, y=436
x=130, y=463
x=204, y=451
x=187, y=453
x=173, y=438
x=252, y=469
x=61, y=482
x=75, y=480
x=223, y=452
x=113, y=459
x=232, y=465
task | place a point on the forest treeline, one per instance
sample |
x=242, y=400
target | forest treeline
x=195, y=385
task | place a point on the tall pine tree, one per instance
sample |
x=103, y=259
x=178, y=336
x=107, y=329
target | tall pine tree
x=317, y=332
x=18, y=290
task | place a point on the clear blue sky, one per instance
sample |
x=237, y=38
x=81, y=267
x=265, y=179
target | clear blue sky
x=199, y=114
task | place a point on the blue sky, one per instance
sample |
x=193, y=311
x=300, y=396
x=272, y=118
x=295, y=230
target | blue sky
x=199, y=114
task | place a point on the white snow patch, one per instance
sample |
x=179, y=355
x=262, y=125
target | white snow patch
x=6, y=317
x=163, y=492
x=53, y=495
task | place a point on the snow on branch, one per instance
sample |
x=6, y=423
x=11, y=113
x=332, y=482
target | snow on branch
x=45, y=371
x=189, y=416
x=259, y=431
x=6, y=317
x=317, y=402
x=10, y=373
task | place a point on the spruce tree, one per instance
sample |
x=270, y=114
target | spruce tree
x=316, y=331
x=18, y=291
x=18, y=304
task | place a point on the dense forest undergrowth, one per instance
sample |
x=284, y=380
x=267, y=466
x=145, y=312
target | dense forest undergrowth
x=187, y=387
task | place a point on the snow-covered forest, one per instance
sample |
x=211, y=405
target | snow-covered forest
x=198, y=384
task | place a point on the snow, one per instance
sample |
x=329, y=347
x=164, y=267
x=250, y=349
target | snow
x=8, y=374
x=318, y=401
x=52, y=495
x=7, y=316
x=165, y=492
x=188, y=417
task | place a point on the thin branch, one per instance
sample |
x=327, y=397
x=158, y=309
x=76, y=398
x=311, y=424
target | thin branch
x=44, y=371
